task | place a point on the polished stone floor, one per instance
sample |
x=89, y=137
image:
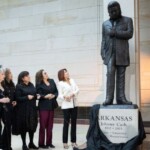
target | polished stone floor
x=57, y=137
x=146, y=146
x=146, y=143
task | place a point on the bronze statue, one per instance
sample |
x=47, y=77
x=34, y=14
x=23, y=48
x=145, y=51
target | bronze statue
x=115, y=52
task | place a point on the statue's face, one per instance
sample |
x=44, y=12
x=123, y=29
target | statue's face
x=114, y=12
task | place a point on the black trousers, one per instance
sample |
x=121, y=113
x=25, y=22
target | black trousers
x=6, y=117
x=1, y=146
x=70, y=114
x=117, y=73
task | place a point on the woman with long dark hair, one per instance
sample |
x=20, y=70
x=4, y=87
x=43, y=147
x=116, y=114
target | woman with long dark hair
x=9, y=90
x=26, y=109
x=4, y=116
x=68, y=92
x=47, y=90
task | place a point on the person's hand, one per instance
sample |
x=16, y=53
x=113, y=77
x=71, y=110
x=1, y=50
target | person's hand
x=5, y=100
x=14, y=103
x=53, y=95
x=30, y=97
x=67, y=98
x=72, y=95
x=49, y=96
x=112, y=32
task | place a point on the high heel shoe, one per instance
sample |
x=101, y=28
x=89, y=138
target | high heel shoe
x=74, y=145
x=66, y=146
x=43, y=147
x=24, y=147
x=51, y=146
x=32, y=146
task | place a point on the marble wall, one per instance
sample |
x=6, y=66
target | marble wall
x=55, y=34
x=144, y=20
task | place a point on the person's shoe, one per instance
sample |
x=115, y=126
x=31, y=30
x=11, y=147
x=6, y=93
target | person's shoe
x=6, y=148
x=24, y=147
x=32, y=146
x=74, y=145
x=51, y=146
x=66, y=146
x=123, y=101
x=1, y=145
x=108, y=102
x=43, y=147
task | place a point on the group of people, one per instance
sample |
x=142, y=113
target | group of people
x=19, y=113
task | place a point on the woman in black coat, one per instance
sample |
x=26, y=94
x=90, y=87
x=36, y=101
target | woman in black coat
x=9, y=86
x=9, y=91
x=26, y=109
x=48, y=92
x=4, y=101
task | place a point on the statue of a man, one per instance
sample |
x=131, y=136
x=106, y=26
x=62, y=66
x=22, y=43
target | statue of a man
x=115, y=52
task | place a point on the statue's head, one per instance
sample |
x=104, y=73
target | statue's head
x=114, y=10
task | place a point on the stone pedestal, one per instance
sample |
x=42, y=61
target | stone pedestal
x=119, y=123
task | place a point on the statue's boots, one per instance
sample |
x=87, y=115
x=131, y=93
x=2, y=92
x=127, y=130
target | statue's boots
x=108, y=102
x=123, y=101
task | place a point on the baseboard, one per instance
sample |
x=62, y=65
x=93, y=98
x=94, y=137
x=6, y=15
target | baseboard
x=79, y=121
x=83, y=115
x=146, y=123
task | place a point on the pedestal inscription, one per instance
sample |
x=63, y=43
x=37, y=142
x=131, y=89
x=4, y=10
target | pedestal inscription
x=119, y=124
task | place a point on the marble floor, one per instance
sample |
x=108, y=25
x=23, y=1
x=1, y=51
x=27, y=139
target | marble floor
x=146, y=143
x=57, y=137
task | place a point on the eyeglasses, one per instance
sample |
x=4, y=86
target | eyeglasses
x=45, y=73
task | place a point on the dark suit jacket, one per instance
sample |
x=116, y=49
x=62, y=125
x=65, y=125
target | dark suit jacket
x=124, y=32
x=43, y=89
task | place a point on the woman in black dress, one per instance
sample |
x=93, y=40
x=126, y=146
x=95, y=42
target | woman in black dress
x=9, y=91
x=4, y=101
x=26, y=109
x=48, y=92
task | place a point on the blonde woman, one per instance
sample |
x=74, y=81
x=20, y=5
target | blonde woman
x=4, y=116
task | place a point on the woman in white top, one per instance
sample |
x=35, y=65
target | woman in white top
x=67, y=95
